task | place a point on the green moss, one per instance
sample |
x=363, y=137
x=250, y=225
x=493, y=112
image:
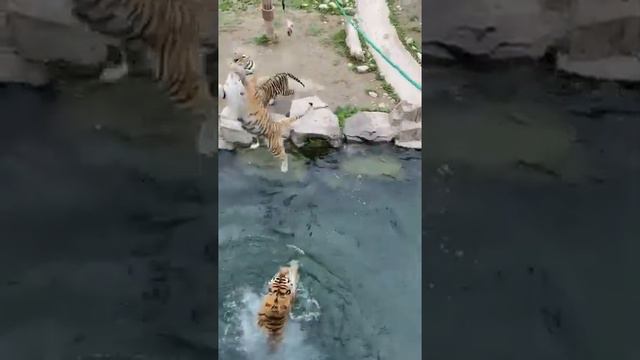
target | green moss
x=394, y=15
x=344, y=112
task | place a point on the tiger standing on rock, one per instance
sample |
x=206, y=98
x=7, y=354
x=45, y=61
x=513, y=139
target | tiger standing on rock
x=276, y=305
x=258, y=121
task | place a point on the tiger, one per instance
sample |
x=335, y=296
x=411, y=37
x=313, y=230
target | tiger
x=276, y=85
x=245, y=62
x=169, y=30
x=269, y=89
x=258, y=121
x=277, y=303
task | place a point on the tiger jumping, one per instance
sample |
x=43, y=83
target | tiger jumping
x=258, y=121
x=276, y=305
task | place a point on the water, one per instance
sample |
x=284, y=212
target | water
x=531, y=231
x=106, y=222
x=352, y=220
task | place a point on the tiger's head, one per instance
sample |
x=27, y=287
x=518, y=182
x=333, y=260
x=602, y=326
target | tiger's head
x=245, y=62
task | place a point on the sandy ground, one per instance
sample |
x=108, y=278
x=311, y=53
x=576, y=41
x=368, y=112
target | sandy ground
x=308, y=54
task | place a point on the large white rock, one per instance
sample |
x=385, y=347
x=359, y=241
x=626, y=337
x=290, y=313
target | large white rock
x=409, y=135
x=231, y=131
x=320, y=123
x=369, y=126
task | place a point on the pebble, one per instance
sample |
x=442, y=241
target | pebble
x=373, y=94
x=323, y=6
x=362, y=68
x=382, y=106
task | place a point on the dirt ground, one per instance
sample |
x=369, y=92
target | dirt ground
x=309, y=54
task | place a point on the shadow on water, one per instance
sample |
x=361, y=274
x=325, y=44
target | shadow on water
x=352, y=220
x=106, y=226
x=531, y=228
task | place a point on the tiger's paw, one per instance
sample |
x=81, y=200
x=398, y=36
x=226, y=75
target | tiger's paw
x=255, y=145
x=114, y=73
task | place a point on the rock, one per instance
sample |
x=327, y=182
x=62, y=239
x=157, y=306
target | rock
x=592, y=40
x=353, y=42
x=14, y=68
x=603, y=50
x=42, y=40
x=362, y=69
x=409, y=135
x=44, y=30
x=369, y=126
x=373, y=94
x=320, y=123
x=231, y=131
x=405, y=111
x=408, y=144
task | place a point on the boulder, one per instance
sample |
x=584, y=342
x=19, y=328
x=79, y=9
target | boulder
x=592, y=40
x=404, y=111
x=319, y=123
x=369, y=126
x=14, y=68
x=409, y=135
x=231, y=131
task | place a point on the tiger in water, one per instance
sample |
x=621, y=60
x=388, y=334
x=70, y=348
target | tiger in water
x=257, y=120
x=268, y=90
x=169, y=30
x=277, y=303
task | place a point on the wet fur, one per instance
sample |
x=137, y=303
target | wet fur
x=277, y=304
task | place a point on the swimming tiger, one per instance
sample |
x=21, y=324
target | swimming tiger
x=170, y=31
x=277, y=303
x=259, y=122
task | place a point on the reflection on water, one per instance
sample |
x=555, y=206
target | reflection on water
x=356, y=234
x=531, y=225
x=105, y=220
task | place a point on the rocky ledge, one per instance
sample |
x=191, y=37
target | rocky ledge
x=591, y=38
x=402, y=126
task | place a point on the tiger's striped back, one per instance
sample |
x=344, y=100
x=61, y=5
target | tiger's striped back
x=276, y=85
x=169, y=28
x=277, y=304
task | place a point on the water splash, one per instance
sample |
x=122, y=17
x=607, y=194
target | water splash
x=243, y=335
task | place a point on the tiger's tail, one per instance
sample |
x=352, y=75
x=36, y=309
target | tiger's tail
x=290, y=120
x=294, y=78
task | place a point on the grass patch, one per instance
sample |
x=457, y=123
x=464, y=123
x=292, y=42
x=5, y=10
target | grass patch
x=262, y=40
x=410, y=44
x=344, y=112
x=326, y=7
x=233, y=5
x=389, y=90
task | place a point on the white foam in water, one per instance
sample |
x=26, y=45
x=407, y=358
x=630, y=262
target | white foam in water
x=290, y=246
x=244, y=335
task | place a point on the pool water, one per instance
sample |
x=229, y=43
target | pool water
x=352, y=218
